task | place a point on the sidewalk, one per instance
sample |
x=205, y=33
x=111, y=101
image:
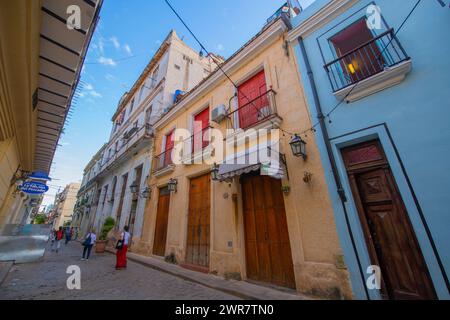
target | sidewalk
x=241, y=289
x=4, y=270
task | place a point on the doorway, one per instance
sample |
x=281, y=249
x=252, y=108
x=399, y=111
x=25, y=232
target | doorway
x=389, y=235
x=198, y=232
x=267, y=246
x=162, y=221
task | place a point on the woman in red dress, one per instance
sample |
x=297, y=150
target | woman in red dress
x=122, y=248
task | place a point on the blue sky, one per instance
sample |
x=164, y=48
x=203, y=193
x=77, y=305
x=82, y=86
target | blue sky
x=127, y=36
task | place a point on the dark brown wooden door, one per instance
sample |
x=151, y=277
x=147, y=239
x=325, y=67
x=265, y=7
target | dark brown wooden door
x=162, y=220
x=198, y=236
x=390, y=237
x=267, y=247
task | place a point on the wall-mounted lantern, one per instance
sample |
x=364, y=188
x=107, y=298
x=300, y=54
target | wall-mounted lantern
x=172, y=186
x=134, y=188
x=215, y=172
x=298, y=147
x=19, y=177
x=147, y=193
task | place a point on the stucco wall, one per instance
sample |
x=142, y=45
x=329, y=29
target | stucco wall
x=313, y=235
x=9, y=162
x=410, y=119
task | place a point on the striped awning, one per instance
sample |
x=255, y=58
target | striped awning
x=229, y=171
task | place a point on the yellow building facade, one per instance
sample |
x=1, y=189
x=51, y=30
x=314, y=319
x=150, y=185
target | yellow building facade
x=249, y=225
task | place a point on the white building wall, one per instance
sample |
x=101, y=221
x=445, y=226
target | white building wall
x=182, y=69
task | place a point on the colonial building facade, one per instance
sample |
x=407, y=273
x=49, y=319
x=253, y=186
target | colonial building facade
x=380, y=97
x=125, y=163
x=65, y=205
x=87, y=197
x=244, y=221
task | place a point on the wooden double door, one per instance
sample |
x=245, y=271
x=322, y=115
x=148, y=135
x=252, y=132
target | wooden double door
x=162, y=221
x=198, y=230
x=267, y=247
x=390, y=237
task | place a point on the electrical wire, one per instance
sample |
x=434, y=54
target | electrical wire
x=328, y=115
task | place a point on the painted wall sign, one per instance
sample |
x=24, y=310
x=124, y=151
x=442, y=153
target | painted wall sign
x=34, y=188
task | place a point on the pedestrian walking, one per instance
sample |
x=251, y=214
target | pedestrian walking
x=88, y=243
x=52, y=238
x=122, y=248
x=68, y=235
x=58, y=237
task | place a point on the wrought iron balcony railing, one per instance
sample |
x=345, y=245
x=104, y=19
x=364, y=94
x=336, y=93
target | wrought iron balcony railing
x=128, y=141
x=254, y=112
x=195, y=145
x=163, y=160
x=365, y=61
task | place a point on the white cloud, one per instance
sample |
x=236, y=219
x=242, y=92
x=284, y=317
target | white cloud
x=110, y=77
x=115, y=42
x=107, y=61
x=220, y=47
x=101, y=45
x=88, y=89
x=128, y=49
x=95, y=94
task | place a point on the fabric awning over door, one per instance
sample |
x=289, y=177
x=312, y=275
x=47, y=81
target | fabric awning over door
x=229, y=171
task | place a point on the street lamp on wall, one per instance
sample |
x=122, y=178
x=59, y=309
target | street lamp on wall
x=298, y=146
x=215, y=172
x=172, y=186
x=134, y=188
x=147, y=193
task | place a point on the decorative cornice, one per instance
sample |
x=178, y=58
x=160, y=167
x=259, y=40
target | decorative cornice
x=322, y=17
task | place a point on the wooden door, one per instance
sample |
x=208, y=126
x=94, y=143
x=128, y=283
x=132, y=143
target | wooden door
x=390, y=238
x=267, y=247
x=252, y=99
x=162, y=221
x=198, y=236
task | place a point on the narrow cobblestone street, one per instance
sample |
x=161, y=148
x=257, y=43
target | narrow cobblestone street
x=46, y=280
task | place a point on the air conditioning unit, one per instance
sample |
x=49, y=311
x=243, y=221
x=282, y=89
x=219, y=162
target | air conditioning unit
x=219, y=113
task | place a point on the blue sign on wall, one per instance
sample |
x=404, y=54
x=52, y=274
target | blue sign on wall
x=34, y=188
x=39, y=175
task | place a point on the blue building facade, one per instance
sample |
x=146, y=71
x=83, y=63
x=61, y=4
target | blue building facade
x=377, y=79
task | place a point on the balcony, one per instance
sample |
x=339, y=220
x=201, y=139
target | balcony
x=163, y=163
x=374, y=66
x=260, y=113
x=197, y=147
x=134, y=138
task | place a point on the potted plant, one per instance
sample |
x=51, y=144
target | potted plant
x=108, y=225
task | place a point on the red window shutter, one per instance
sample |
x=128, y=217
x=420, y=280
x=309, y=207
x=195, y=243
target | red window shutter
x=201, y=124
x=252, y=96
x=170, y=143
